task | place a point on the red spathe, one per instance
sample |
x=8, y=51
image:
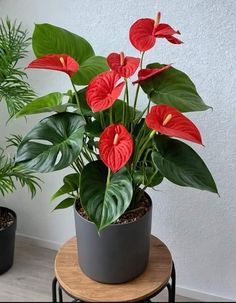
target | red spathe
x=147, y=73
x=115, y=146
x=169, y=121
x=58, y=62
x=124, y=66
x=144, y=32
x=103, y=91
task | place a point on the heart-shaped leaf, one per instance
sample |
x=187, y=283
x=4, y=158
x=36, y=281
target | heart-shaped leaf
x=50, y=39
x=180, y=164
x=48, y=103
x=89, y=69
x=174, y=88
x=53, y=144
x=104, y=203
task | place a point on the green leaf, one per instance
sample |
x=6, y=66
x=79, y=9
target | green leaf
x=174, y=88
x=15, y=90
x=93, y=128
x=104, y=203
x=48, y=103
x=10, y=174
x=50, y=39
x=147, y=172
x=64, y=189
x=53, y=144
x=68, y=202
x=71, y=183
x=117, y=112
x=180, y=164
x=89, y=69
x=83, y=103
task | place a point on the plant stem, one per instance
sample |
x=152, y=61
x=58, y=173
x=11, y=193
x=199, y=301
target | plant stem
x=137, y=90
x=78, y=170
x=141, y=61
x=123, y=114
x=136, y=100
x=152, y=133
x=102, y=120
x=127, y=99
x=148, y=107
x=77, y=100
x=110, y=114
x=108, y=177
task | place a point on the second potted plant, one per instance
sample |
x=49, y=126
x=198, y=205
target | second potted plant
x=16, y=92
x=116, y=150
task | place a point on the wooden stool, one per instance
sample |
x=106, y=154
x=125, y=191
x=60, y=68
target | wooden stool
x=77, y=285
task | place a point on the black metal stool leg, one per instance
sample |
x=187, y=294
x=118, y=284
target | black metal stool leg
x=54, y=290
x=171, y=287
x=173, y=282
x=60, y=294
x=169, y=292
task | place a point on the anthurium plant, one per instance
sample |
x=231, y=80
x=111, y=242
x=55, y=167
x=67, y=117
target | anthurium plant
x=116, y=148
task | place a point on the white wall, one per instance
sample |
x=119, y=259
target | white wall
x=198, y=227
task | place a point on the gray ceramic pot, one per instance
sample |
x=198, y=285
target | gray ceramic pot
x=119, y=254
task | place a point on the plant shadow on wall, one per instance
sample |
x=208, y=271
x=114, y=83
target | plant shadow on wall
x=16, y=93
x=115, y=150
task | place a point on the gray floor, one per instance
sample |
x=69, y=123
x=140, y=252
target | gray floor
x=30, y=278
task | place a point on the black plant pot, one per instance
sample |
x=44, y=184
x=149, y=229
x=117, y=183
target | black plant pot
x=119, y=254
x=7, y=243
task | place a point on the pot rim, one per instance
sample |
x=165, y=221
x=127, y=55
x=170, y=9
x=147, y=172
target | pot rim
x=115, y=225
x=14, y=215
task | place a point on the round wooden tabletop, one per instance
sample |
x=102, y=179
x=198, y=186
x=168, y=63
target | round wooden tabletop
x=78, y=285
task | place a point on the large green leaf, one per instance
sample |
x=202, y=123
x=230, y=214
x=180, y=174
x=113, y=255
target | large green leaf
x=174, y=88
x=50, y=39
x=180, y=164
x=104, y=203
x=89, y=69
x=53, y=144
x=48, y=103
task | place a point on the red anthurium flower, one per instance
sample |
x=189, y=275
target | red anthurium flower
x=60, y=62
x=169, y=121
x=124, y=66
x=143, y=33
x=102, y=91
x=115, y=146
x=147, y=73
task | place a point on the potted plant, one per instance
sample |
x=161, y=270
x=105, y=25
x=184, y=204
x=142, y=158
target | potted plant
x=116, y=149
x=16, y=92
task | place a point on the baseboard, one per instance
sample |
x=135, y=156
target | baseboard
x=190, y=293
x=38, y=241
x=200, y=296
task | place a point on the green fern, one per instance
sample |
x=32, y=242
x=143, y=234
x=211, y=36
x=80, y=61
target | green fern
x=14, y=140
x=14, y=89
x=9, y=173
